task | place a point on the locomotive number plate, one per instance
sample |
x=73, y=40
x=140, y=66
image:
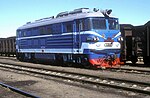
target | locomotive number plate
x=108, y=44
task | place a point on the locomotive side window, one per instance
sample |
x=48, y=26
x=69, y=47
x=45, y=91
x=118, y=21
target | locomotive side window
x=42, y=30
x=49, y=29
x=18, y=33
x=85, y=25
x=113, y=24
x=23, y=33
x=68, y=27
x=35, y=31
x=56, y=28
x=28, y=32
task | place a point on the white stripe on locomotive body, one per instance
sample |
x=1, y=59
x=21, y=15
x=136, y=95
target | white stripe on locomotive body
x=96, y=46
x=62, y=19
x=46, y=50
x=42, y=36
x=20, y=38
x=74, y=33
x=119, y=34
x=84, y=45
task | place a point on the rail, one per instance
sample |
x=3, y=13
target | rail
x=131, y=70
x=140, y=87
x=18, y=90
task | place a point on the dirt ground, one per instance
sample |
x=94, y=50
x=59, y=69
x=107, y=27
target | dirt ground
x=52, y=89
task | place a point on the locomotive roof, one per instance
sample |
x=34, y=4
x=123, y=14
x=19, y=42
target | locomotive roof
x=52, y=20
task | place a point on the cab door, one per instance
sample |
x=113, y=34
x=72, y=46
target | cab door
x=76, y=36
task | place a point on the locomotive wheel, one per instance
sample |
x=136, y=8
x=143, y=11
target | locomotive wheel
x=146, y=60
x=20, y=57
x=69, y=64
x=134, y=60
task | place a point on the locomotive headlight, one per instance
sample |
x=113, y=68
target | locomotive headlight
x=120, y=39
x=92, y=39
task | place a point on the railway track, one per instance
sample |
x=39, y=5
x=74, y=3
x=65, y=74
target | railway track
x=131, y=70
x=134, y=70
x=129, y=85
x=19, y=91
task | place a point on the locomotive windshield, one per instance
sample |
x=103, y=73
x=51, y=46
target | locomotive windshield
x=113, y=24
x=99, y=23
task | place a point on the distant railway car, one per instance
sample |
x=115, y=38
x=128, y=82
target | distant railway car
x=131, y=45
x=88, y=38
x=145, y=31
x=7, y=46
x=136, y=43
x=2, y=46
x=127, y=43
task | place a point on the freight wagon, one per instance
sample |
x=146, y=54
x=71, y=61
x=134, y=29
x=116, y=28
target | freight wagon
x=145, y=31
x=135, y=43
x=126, y=45
x=7, y=46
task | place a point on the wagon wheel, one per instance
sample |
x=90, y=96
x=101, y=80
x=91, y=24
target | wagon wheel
x=134, y=59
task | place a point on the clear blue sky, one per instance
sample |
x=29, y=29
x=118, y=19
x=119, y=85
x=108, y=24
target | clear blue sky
x=15, y=13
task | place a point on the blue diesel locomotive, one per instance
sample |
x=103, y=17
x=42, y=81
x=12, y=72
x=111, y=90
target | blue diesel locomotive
x=85, y=37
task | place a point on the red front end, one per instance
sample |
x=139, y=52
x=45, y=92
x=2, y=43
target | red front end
x=105, y=63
